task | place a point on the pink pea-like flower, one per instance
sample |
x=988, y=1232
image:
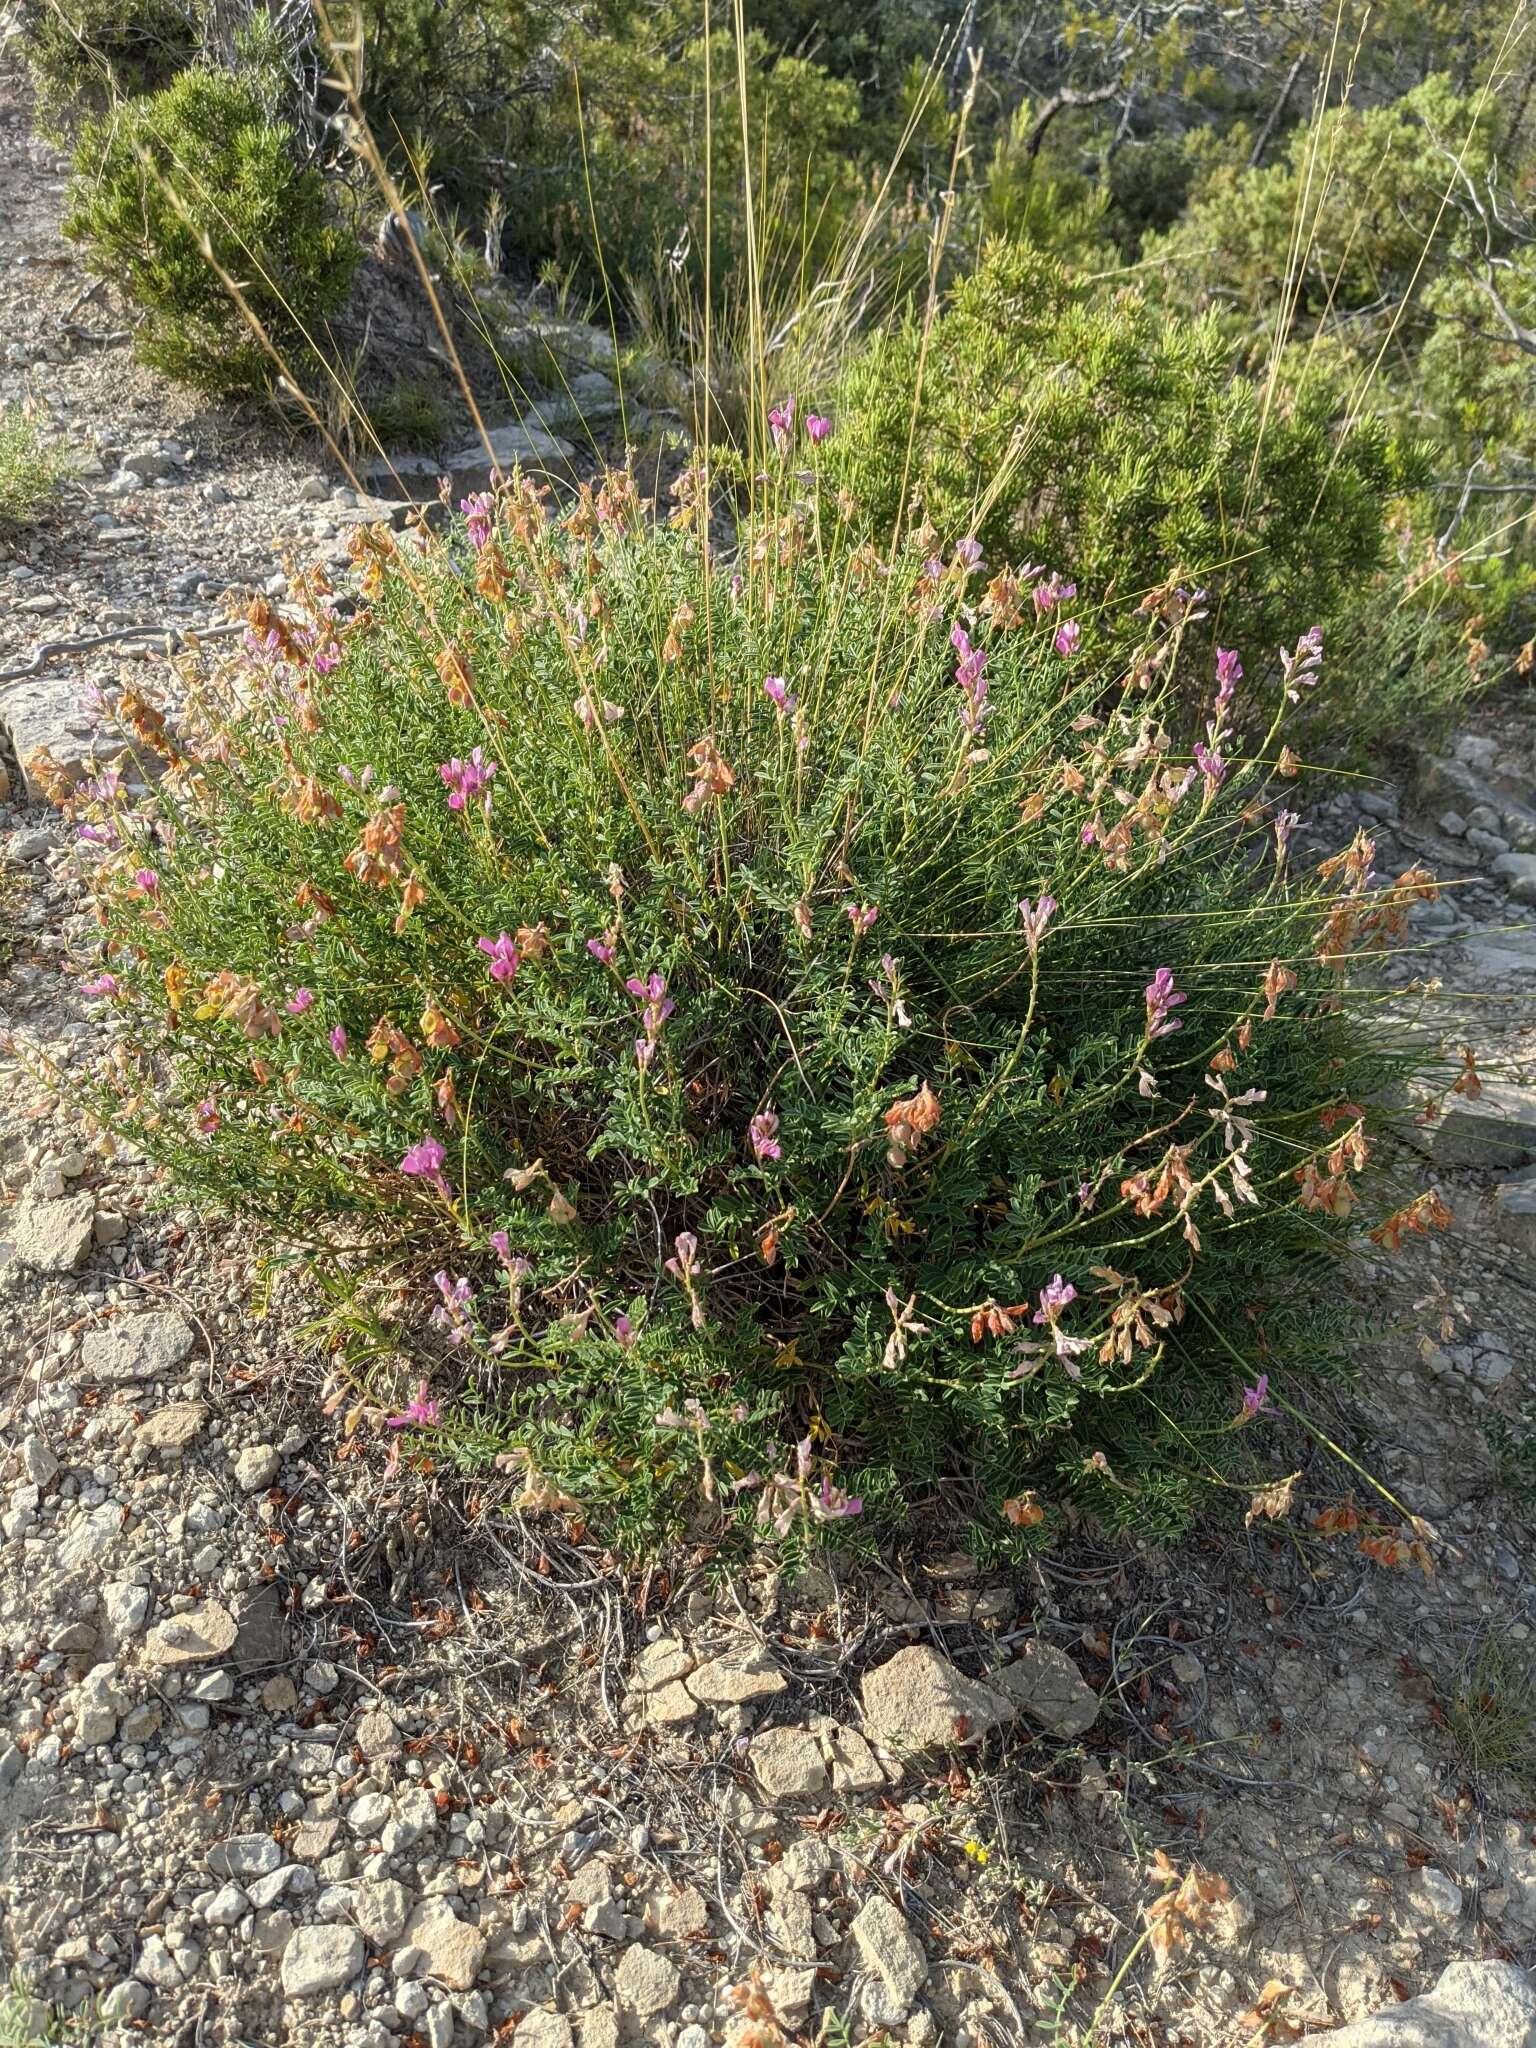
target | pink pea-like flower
x=339, y=1040
x=781, y=422
x=861, y=915
x=1054, y=1297
x=1255, y=1401
x=468, y=780
x=424, y=1159
x=477, y=516
x=818, y=426
x=146, y=882
x=764, y=1134
x=101, y=985
x=418, y=1413
x=624, y=1332
x=1162, y=1000
x=603, y=949
x=1211, y=765
x=503, y=956
x=1068, y=634
x=1050, y=592
x=1229, y=673
x=1035, y=919
x=777, y=691
x=299, y=1001
x=968, y=553
x=206, y=1116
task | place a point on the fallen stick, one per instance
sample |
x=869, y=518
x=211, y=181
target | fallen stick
x=173, y=636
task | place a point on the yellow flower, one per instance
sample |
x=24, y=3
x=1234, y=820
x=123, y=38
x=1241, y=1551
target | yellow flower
x=977, y=1852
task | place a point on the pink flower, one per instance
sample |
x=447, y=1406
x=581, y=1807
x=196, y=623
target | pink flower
x=1035, y=920
x=1303, y=667
x=464, y=780
x=299, y=1001
x=503, y=955
x=1068, y=634
x=1229, y=673
x=818, y=426
x=452, y=1312
x=1255, y=1401
x=424, y=1159
x=764, y=1133
x=1054, y=1297
x=501, y=1245
x=339, y=1041
x=624, y=1332
x=418, y=1413
x=1162, y=999
x=781, y=422
x=102, y=985
x=968, y=553
x=861, y=915
x=658, y=1007
x=1211, y=765
x=477, y=514
x=777, y=691
x=206, y=1116
x=1051, y=591
x=970, y=675
x=146, y=882
x=603, y=949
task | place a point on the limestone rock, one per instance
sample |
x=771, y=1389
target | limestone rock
x=173, y=1429
x=645, y=1983
x=143, y=1347
x=256, y=1468
x=1497, y=1130
x=1049, y=1688
x=855, y=1767
x=200, y=1636
x=660, y=1663
x=454, y=1949
x=918, y=1701
x=541, y=2029
x=381, y=1911
x=319, y=1959
x=891, y=1950
x=52, y=1237
x=1474, y=2005
x=1514, y=1213
x=787, y=1764
x=736, y=1678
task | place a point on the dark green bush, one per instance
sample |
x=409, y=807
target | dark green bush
x=86, y=55
x=1103, y=436
x=202, y=164
x=760, y=1008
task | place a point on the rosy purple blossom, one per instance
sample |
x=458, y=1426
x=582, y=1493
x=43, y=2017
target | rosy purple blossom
x=339, y=1041
x=1051, y=591
x=146, y=881
x=418, y=1413
x=299, y=1001
x=465, y=780
x=1211, y=765
x=818, y=426
x=861, y=915
x=781, y=422
x=1302, y=666
x=1162, y=1000
x=1068, y=634
x=764, y=1134
x=503, y=955
x=477, y=515
x=452, y=1312
x=1229, y=673
x=603, y=949
x=970, y=674
x=624, y=1332
x=101, y=985
x=968, y=554
x=1056, y=1295
x=1035, y=919
x=424, y=1159
x=651, y=991
x=778, y=693
x=1255, y=1401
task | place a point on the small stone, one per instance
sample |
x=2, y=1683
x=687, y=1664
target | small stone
x=377, y=1735
x=671, y=1706
x=1437, y=1894
x=737, y=1677
x=173, y=1429
x=659, y=1663
x=200, y=1636
x=139, y=1347
x=100, y=1702
x=541, y=2029
x=1474, y=2005
x=891, y=1950
x=52, y=1236
x=679, y=1915
x=855, y=1767
x=1514, y=1213
x=280, y=1695
x=227, y=1908
x=126, y=1608
x=1452, y=824
x=381, y=1911
x=787, y=1763
x=129, y=2000
x=454, y=1949
x=38, y=1462
x=918, y=1701
x=366, y=1816
x=645, y=1982
x=256, y=1467
x=320, y=1959
x=1050, y=1689
x=245, y=1856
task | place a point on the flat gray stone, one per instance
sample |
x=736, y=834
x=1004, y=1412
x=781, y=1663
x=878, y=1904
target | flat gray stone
x=319, y=1959
x=200, y=1636
x=137, y=1347
x=1514, y=1213
x=1497, y=1130
x=52, y=1237
x=1474, y=2005
x=890, y=1948
x=1049, y=1689
x=173, y=1429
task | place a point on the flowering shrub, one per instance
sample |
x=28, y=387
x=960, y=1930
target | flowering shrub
x=767, y=1038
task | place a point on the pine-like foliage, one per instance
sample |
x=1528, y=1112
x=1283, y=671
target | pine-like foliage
x=824, y=1033
x=1094, y=431
x=200, y=170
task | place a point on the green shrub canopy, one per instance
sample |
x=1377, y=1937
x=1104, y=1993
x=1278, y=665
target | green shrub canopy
x=199, y=172
x=826, y=1036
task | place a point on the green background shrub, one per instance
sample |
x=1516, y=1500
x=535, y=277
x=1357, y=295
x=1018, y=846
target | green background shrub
x=202, y=160
x=86, y=55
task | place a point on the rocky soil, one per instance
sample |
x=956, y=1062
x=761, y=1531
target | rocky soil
x=302, y=1745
